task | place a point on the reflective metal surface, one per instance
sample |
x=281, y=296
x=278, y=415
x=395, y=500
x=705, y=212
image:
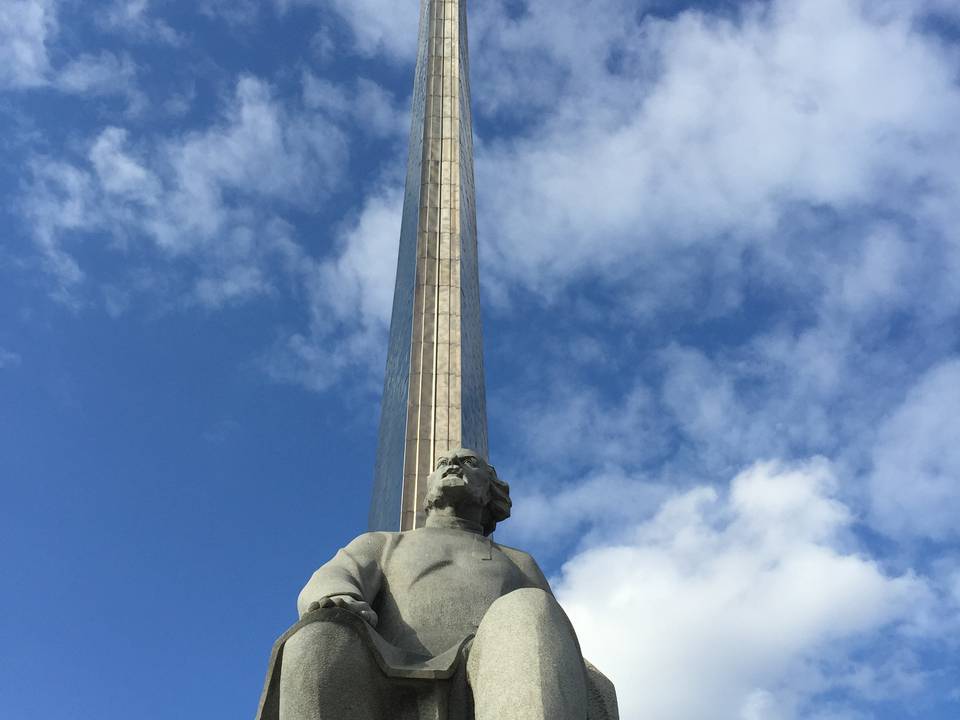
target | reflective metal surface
x=388, y=472
x=473, y=386
x=434, y=396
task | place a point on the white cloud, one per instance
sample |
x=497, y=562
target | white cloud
x=259, y=149
x=915, y=482
x=210, y=196
x=773, y=396
x=9, y=359
x=60, y=201
x=708, y=138
x=359, y=283
x=350, y=298
x=943, y=8
x=369, y=105
x=134, y=17
x=734, y=607
x=377, y=26
x=390, y=27
x=570, y=422
x=101, y=74
x=26, y=26
x=235, y=12
x=551, y=512
x=206, y=211
x=27, y=30
x=120, y=173
x=704, y=402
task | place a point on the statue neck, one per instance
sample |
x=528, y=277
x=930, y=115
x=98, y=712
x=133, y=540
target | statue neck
x=445, y=518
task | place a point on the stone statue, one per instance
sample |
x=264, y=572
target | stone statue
x=438, y=623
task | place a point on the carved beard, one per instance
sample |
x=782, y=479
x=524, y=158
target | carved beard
x=457, y=492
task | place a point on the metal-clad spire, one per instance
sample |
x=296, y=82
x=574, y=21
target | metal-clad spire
x=434, y=396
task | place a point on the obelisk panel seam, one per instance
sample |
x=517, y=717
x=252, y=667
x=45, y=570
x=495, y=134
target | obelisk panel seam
x=387, y=500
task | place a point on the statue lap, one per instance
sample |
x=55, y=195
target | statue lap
x=523, y=664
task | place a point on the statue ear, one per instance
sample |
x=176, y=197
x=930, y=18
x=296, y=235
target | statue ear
x=498, y=507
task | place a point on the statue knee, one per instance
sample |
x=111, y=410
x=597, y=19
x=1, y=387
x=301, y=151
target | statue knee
x=525, y=620
x=316, y=636
x=526, y=617
x=525, y=661
x=522, y=607
x=324, y=648
x=324, y=665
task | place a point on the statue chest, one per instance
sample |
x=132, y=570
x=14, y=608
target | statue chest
x=437, y=592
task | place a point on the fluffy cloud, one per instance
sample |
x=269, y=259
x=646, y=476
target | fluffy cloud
x=134, y=17
x=942, y=8
x=25, y=28
x=591, y=511
x=377, y=26
x=702, y=132
x=9, y=359
x=739, y=606
x=235, y=12
x=102, y=74
x=199, y=196
x=374, y=110
x=96, y=74
x=390, y=27
x=573, y=424
x=202, y=215
x=349, y=300
x=915, y=483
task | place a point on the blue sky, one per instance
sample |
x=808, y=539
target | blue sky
x=721, y=281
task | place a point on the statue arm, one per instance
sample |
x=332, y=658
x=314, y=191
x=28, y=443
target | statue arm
x=535, y=575
x=354, y=574
x=528, y=566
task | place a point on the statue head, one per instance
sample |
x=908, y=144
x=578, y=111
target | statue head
x=466, y=483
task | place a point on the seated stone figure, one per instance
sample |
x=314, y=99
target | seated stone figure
x=438, y=623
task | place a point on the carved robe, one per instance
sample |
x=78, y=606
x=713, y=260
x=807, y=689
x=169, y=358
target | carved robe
x=431, y=589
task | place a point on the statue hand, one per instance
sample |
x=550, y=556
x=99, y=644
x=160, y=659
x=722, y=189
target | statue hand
x=349, y=603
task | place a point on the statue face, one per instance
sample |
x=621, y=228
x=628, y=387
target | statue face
x=462, y=479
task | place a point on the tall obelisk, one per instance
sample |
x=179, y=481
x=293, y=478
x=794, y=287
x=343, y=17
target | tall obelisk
x=434, y=397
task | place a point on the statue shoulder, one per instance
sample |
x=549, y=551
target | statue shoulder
x=372, y=542
x=513, y=553
x=525, y=562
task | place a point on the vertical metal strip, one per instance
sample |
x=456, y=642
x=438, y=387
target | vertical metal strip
x=440, y=199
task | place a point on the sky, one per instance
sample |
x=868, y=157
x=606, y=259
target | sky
x=721, y=293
